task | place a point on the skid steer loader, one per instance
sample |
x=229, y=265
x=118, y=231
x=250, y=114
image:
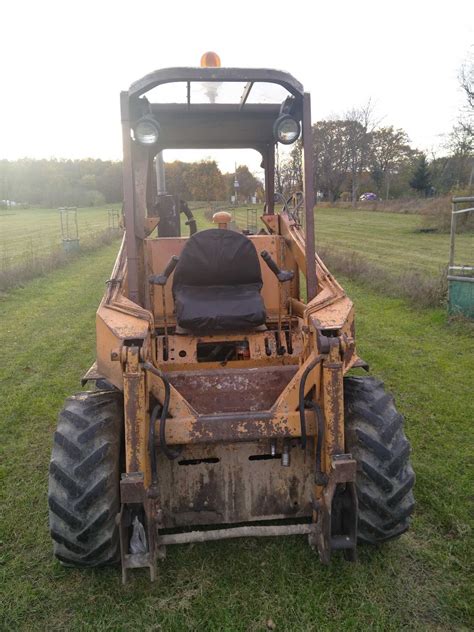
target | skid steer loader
x=223, y=406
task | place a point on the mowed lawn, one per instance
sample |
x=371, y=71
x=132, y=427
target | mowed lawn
x=33, y=233
x=390, y=240
x=419, y=582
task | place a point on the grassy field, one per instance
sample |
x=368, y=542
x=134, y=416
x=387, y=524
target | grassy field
x=389, y=239
x=385, y=252
x=392, y=239
x=35, y=232
x=420, y=582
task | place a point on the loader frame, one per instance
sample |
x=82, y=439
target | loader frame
x=300, y=394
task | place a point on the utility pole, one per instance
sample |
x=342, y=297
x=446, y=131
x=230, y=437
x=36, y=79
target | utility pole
x=236, y=185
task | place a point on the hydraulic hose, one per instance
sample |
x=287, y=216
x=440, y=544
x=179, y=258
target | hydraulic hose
x=168, y=452
x=151, y=443
x=307, y=371
x=320, y=477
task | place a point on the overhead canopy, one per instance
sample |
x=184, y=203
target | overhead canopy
x=248, y=75
x=215, y=126
x=242, y=123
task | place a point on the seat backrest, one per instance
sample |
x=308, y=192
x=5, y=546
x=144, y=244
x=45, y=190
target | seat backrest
x=218, y=257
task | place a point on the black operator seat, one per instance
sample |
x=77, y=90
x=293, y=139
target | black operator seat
x=217, y=283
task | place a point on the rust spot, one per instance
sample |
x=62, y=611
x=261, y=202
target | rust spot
x=232, y=390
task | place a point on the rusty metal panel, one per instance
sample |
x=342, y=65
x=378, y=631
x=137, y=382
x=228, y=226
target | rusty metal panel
x=112, y=328
x=233, y=427
x=232, y=390
x=158, y=253
x=182, y=350
x=132, y=488
x=91, y=374
x=333, y=402
x=221, y=484
x=136, y=417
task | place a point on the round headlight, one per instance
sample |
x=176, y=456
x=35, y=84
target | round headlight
x=146, y=131
x=286, y=129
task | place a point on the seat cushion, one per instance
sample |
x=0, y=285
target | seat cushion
x=218, y=257
x=217, y=283
x=219, y=307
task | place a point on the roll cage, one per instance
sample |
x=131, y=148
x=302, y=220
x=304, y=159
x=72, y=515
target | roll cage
x=192, y=125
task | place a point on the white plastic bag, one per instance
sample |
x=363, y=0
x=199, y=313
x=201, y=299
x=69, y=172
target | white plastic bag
x=138, y=542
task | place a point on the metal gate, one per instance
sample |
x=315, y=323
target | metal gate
x=460, y=275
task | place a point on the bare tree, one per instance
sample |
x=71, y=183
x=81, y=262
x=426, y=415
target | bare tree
x=462, y=135
x=360, y=125
x=289, y=175
x=331, y=159
x=466, y=79
x=278, y=167
x=389, y=150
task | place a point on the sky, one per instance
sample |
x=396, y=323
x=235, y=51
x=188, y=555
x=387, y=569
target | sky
x=63, y=64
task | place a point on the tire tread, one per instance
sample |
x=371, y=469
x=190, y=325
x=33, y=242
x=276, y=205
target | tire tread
x=385, y=479
x=83, y=495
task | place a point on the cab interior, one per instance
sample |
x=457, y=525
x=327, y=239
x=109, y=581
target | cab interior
x=190, y=352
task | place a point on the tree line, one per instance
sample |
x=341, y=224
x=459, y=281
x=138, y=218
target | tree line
x=352, y=154
x=204, y=181
x=350, y=157
x=54, y=183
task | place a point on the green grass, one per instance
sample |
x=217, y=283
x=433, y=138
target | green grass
x=36, y=232
x=390, y=240
x=420, y=582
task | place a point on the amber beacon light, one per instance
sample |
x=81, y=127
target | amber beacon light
x=210, y=60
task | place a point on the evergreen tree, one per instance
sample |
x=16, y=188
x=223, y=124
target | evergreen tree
x=421, y=180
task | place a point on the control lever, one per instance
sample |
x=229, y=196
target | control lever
x=282, y=275
x=161, y=280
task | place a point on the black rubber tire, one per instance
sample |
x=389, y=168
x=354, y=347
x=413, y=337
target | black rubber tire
x=104, y=385
x=84, y=475
x=385, y=478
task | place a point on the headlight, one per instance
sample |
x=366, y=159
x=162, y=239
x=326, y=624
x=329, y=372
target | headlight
x=286, y=129
x=146, y=131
